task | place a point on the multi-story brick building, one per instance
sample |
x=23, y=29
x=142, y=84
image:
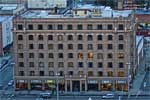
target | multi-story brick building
x=91, y=49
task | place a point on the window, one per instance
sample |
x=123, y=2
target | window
x=20, y=55
x=40, y=37
x=99, y=56
x=20, y=46
x=109, y=55
x=20, y=37
x=109, y=64
x=80, y=64
x=80, y=72
x=60, y=46
x=30, y=27
x=32, y=73
x=109, y=26
x=21, y=73
x=109, y=73
x=60, y=27
x=79, y=27
x=90, y=64
x=51, y=73
x=120, y=55
x=89, y=37
x=31, y=55
x=99, y=27
x=60, y=55
x=70, y=73
x=89, y=27
x=110, y=37
x=80, y=55
x=50, y=46
x=120, y=74
x=60, y=37
x=50, y=55
x=50, y=27
x=41, y=73
x=80, y=46
x=50, y=37
x=30, y=37
x=41, y=64
x=70, y=55
x=110, y=46
x=99, y=37
x=70, y=37
x=120, y=65
x=120, y=27
x=31, y=46
x=70, y=64
x=20, y=27
x=60, y=64
x=100, y=73
x=90, y=47
x=90, y=55
x=100, y=65
x=120, y=37
x=90, y=73
x=41, y=46
x=70, y=46
x=50, y=64
x=61, y=73
x=41, y=55
x=80, y=37
x=69, y=27
x=99, y=46
x=40, y=27
x=31, y=64
x=120, y=46
x=21, y=64
x=85, y=12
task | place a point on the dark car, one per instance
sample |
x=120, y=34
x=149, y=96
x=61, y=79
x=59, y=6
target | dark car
x=45, y=95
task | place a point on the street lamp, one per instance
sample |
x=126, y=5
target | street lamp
x=57, y=74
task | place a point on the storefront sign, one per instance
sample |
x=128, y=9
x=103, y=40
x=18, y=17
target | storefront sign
x=121, y=82
x=106, y=81
x=92, y=81
x=35, y=81
x=21, y=81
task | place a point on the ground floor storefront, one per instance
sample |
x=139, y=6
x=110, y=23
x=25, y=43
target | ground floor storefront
x=72, y=85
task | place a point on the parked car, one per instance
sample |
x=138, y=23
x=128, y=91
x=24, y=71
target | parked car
x=45, y=95
x=11, y=82
x=39, y=99
x=108, y=96
x=1, y=86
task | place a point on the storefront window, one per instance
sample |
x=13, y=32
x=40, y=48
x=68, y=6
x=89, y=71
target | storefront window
x=50, y=85
x=21, y=85
x=106, y=86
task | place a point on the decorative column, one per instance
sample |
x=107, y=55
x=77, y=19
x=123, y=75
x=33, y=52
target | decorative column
x=80, y=85
x=29, y=85
x=70, y=85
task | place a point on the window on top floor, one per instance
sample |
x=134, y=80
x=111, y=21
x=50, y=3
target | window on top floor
x=20, y=27
x=30, y=27
x=60, y=27
x=69, y=27
x=89, y=27
x=120, y=27
x=79, y=27
x=99, y=27
x=109, y=27
x=40, y=27
x=50, y=27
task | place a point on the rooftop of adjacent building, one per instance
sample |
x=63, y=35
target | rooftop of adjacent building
x=93, y=12
x=143, y=11
x=4, y=18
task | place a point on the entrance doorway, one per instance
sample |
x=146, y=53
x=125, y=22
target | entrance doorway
x=75, y=86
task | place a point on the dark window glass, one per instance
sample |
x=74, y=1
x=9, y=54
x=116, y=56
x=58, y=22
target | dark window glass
x=110, y=65
x=80, y=46
x=20, y=55
x=99, y=64
x=80, y=37
x=21, y=73
x=89, y=26
x=90, y=64
x=79, y=27
x=20, y=27
x=70, y=37
x=41, y=55
x=60, y=27
x=60, y=46
x=110, y=46
x=70, y=55
x=120, y=65
x=69, y=27
x=100, y=73
x=99, y=46
x=31, y=64
x=21, y=64
x=32, y=73
x=30, y=37
x=61, y=73
x=70, y=73
x=40, y=37
x=99, y=27
x=41, y=73
x=50, y=37
x=109, y=56
x=31, y=55
x=90, y=47
x=60, y=64
x=120, y=46
x=120, y=27
x=60, y=55
x=89, y=37
x=120, y=37
x=99, y=37
x=80, y=64
x=109, y=27
x=50, y=27
x=70, y=46
x=40, y=27
x=110, y=37
x=41, y=46
x=51, y=73
x=50, y=55
x=20, y=37
x=31, y=46
x=30, y=27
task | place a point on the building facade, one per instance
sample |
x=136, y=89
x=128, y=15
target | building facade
x=89, y=53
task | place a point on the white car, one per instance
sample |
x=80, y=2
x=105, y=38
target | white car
x=11, y=82
x=108, y=96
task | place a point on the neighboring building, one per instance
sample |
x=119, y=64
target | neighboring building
x=92, y=49
x=46, y=4
x=12, y=1
x=6, y=37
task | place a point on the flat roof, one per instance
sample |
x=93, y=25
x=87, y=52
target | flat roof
x=3, y=18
